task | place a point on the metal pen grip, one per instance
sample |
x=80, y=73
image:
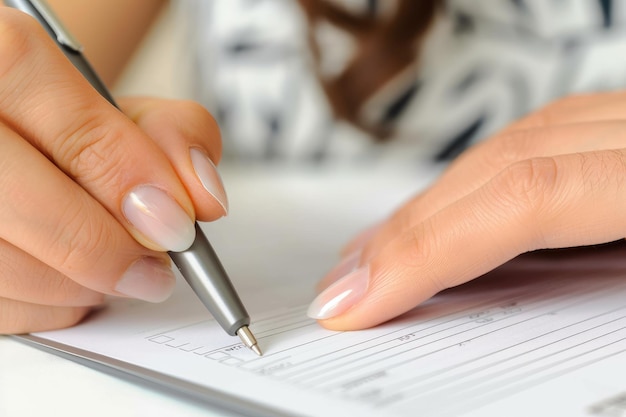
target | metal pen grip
x=200, y=266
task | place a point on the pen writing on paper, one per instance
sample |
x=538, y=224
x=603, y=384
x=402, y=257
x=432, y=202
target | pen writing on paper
x=469, y=351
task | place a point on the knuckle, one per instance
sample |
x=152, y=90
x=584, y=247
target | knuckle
x=526, y=185
x=423, y=243
x=512, y=146
x=418, y=242
x=602, y=170
x=80, y=240
x=93, y=152
x=61, y=290
x=30, y=280
x=551, y=113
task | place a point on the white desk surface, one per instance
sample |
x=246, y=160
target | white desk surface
x=327, y=208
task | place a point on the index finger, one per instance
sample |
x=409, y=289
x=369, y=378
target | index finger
x=549, y=202
x=51, y=105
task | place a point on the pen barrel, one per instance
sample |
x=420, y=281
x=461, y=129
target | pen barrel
x=204, y=273
x=88, y=72
x=40, y=10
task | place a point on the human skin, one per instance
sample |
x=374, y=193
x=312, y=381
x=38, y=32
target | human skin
x=109, y=30
x=552, y=180
x=92, y=197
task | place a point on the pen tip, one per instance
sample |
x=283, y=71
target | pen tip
x=249, y=340
x=255, y=349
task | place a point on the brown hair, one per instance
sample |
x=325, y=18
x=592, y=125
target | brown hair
x=386, y=46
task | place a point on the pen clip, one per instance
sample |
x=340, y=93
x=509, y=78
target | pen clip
x=63, y=36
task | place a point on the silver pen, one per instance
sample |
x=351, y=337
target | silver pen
x=199, y=264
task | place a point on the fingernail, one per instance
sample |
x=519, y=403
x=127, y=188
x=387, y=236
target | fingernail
x=148, y=279
x=343, y=268
x=155, y=214
x=340, y=296
x=209, y=177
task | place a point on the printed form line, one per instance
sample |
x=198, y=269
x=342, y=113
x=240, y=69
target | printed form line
x=425, y=364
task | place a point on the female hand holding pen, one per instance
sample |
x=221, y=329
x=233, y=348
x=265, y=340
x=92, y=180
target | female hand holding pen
x=78, y=176
x=91, y=198
x=554, y=179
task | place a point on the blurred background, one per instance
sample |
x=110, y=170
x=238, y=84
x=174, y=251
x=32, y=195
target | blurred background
x=475, y=67
x=162, y=64
x=250, y=65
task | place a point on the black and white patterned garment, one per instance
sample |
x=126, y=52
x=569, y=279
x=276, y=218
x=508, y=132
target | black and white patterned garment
x=484, y=64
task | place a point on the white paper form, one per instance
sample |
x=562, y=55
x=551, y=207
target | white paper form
x=467, y=348
x=535, y=338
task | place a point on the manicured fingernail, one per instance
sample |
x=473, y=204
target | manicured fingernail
x=155, y=214
x=148, y=279
x=209, y=177
x=343, y=268
x=340, y=296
